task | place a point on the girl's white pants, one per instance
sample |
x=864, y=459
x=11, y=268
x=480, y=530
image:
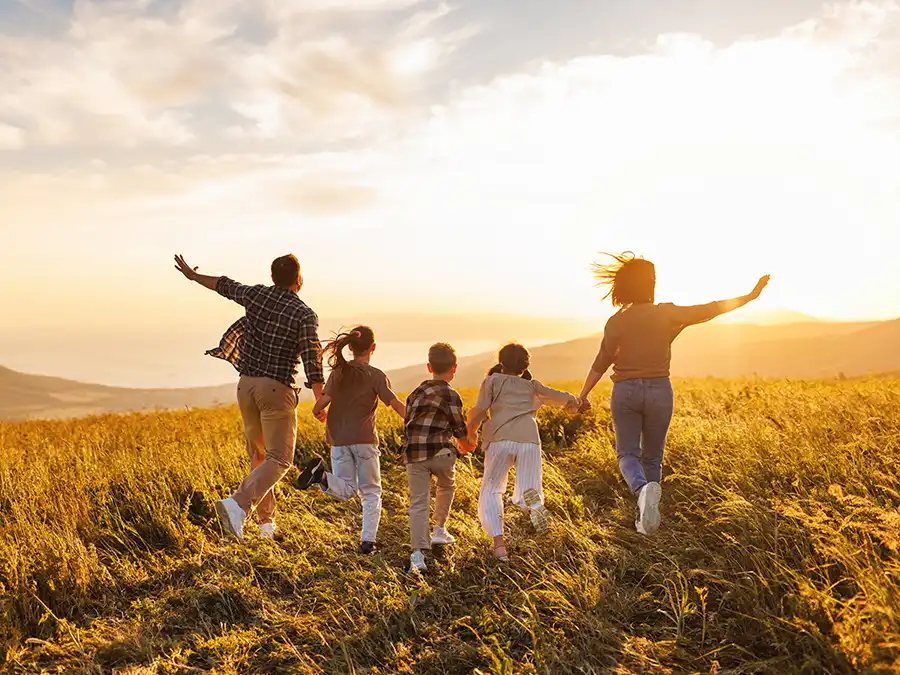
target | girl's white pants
x=499, y=458
x=356, y=469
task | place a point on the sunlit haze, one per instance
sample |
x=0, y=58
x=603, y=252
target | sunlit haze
x=433, y=158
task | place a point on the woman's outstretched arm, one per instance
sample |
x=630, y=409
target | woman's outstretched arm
x=688, y=316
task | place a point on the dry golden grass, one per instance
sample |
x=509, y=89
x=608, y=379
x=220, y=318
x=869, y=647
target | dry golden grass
x=778, y=554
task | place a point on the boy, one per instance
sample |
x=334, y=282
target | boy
x=434, y=419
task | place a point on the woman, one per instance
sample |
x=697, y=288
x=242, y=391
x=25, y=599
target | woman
x=637, y=343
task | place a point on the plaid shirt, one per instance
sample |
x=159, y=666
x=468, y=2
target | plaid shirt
x=434, y=417
x=277, y=332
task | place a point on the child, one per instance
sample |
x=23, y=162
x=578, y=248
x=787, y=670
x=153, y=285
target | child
x=637, y=343
x=434, y=420
x=511, y=438
x=352, y=392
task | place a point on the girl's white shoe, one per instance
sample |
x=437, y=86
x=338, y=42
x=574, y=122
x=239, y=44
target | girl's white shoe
x=539, y=516
x=441, y=536
x=267, y=530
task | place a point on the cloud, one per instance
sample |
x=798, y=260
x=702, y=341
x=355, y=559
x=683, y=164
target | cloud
x=141, y=73
x=784, y=144
x=11, y=138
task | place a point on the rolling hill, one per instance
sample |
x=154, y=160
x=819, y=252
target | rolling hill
x=24, y=396
x=800, y=351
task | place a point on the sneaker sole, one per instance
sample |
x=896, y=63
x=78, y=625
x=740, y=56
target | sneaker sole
x=650, y=512
x=225, y=521
x=305, y=479
x=442, y=542
x=539, y=517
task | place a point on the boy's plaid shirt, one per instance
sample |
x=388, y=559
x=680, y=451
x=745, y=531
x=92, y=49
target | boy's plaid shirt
x=278, y=331
x=434, y=417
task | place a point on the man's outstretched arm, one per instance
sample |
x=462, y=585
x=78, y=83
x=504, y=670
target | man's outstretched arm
x=191, y=274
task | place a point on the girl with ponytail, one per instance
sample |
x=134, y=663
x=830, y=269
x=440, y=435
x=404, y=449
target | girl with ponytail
x=511, y=439
x=351, y=396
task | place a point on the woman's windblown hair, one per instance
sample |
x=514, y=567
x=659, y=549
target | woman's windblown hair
x=513, y=359
x=630, y=279
x=359, y=340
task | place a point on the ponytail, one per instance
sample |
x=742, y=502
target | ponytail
x=513, y=359
x=359, y=340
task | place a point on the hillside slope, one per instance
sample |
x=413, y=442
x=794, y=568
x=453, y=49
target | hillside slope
x=779, y=551
x=809, y=350
x=24, y=396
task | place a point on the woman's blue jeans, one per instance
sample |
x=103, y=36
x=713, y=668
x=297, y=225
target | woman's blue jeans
x=641, y=411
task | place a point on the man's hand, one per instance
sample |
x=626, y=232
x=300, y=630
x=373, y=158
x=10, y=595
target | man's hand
x=189, y=272
x=466, y=445
x=585, y=405
x=322, y=416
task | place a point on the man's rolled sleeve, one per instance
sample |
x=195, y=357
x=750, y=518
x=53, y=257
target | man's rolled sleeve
x=311, y=351
x=231, y=289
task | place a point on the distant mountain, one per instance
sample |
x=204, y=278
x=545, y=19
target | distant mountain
x=800, y=351
x=24, y=396
x=766, y=316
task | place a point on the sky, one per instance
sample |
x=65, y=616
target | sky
x=424, y=156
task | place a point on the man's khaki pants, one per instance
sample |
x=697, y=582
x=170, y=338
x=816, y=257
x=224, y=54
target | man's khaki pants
x=419, y=475
x=269, y=411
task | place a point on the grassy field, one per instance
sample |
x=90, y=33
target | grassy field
x=778, y=553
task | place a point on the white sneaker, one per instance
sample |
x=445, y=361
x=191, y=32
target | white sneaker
x=267, y=530
x=417, y=562
x=441, y=536
x=648, y=507
x=539, y=516
x=231, y=517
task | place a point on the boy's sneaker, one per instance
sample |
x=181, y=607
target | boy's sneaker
x=367, y=548
x=267, y=530
x=442, y=537
x=648, y=508
x=231, y=517
x=417, y=562
x=539, y=516
x=311, y=475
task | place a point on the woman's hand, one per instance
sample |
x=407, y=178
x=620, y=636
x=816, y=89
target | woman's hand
x=574, y=406
x=585, y=405
x=466, y=445
x=760, y=285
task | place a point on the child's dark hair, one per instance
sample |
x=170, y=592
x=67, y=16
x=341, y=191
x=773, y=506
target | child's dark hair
x=630, y=279
x=514, y=360
x=441, y=358
x=359, y=340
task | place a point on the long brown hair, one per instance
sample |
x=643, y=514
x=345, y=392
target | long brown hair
x=630, y=279
x=359, y=340
x=514, y=359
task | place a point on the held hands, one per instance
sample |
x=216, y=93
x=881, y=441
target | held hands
x=574, y=407
x=181, y=265
x=760, y=285
x=467, y=445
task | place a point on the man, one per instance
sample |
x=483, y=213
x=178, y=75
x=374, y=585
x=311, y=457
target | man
x=265, y=347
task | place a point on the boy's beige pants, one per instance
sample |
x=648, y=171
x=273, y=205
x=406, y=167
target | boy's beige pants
x=442, y=467
x=269, y=411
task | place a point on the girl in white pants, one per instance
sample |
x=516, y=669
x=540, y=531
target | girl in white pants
x=351, y=396
x=511, y=439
